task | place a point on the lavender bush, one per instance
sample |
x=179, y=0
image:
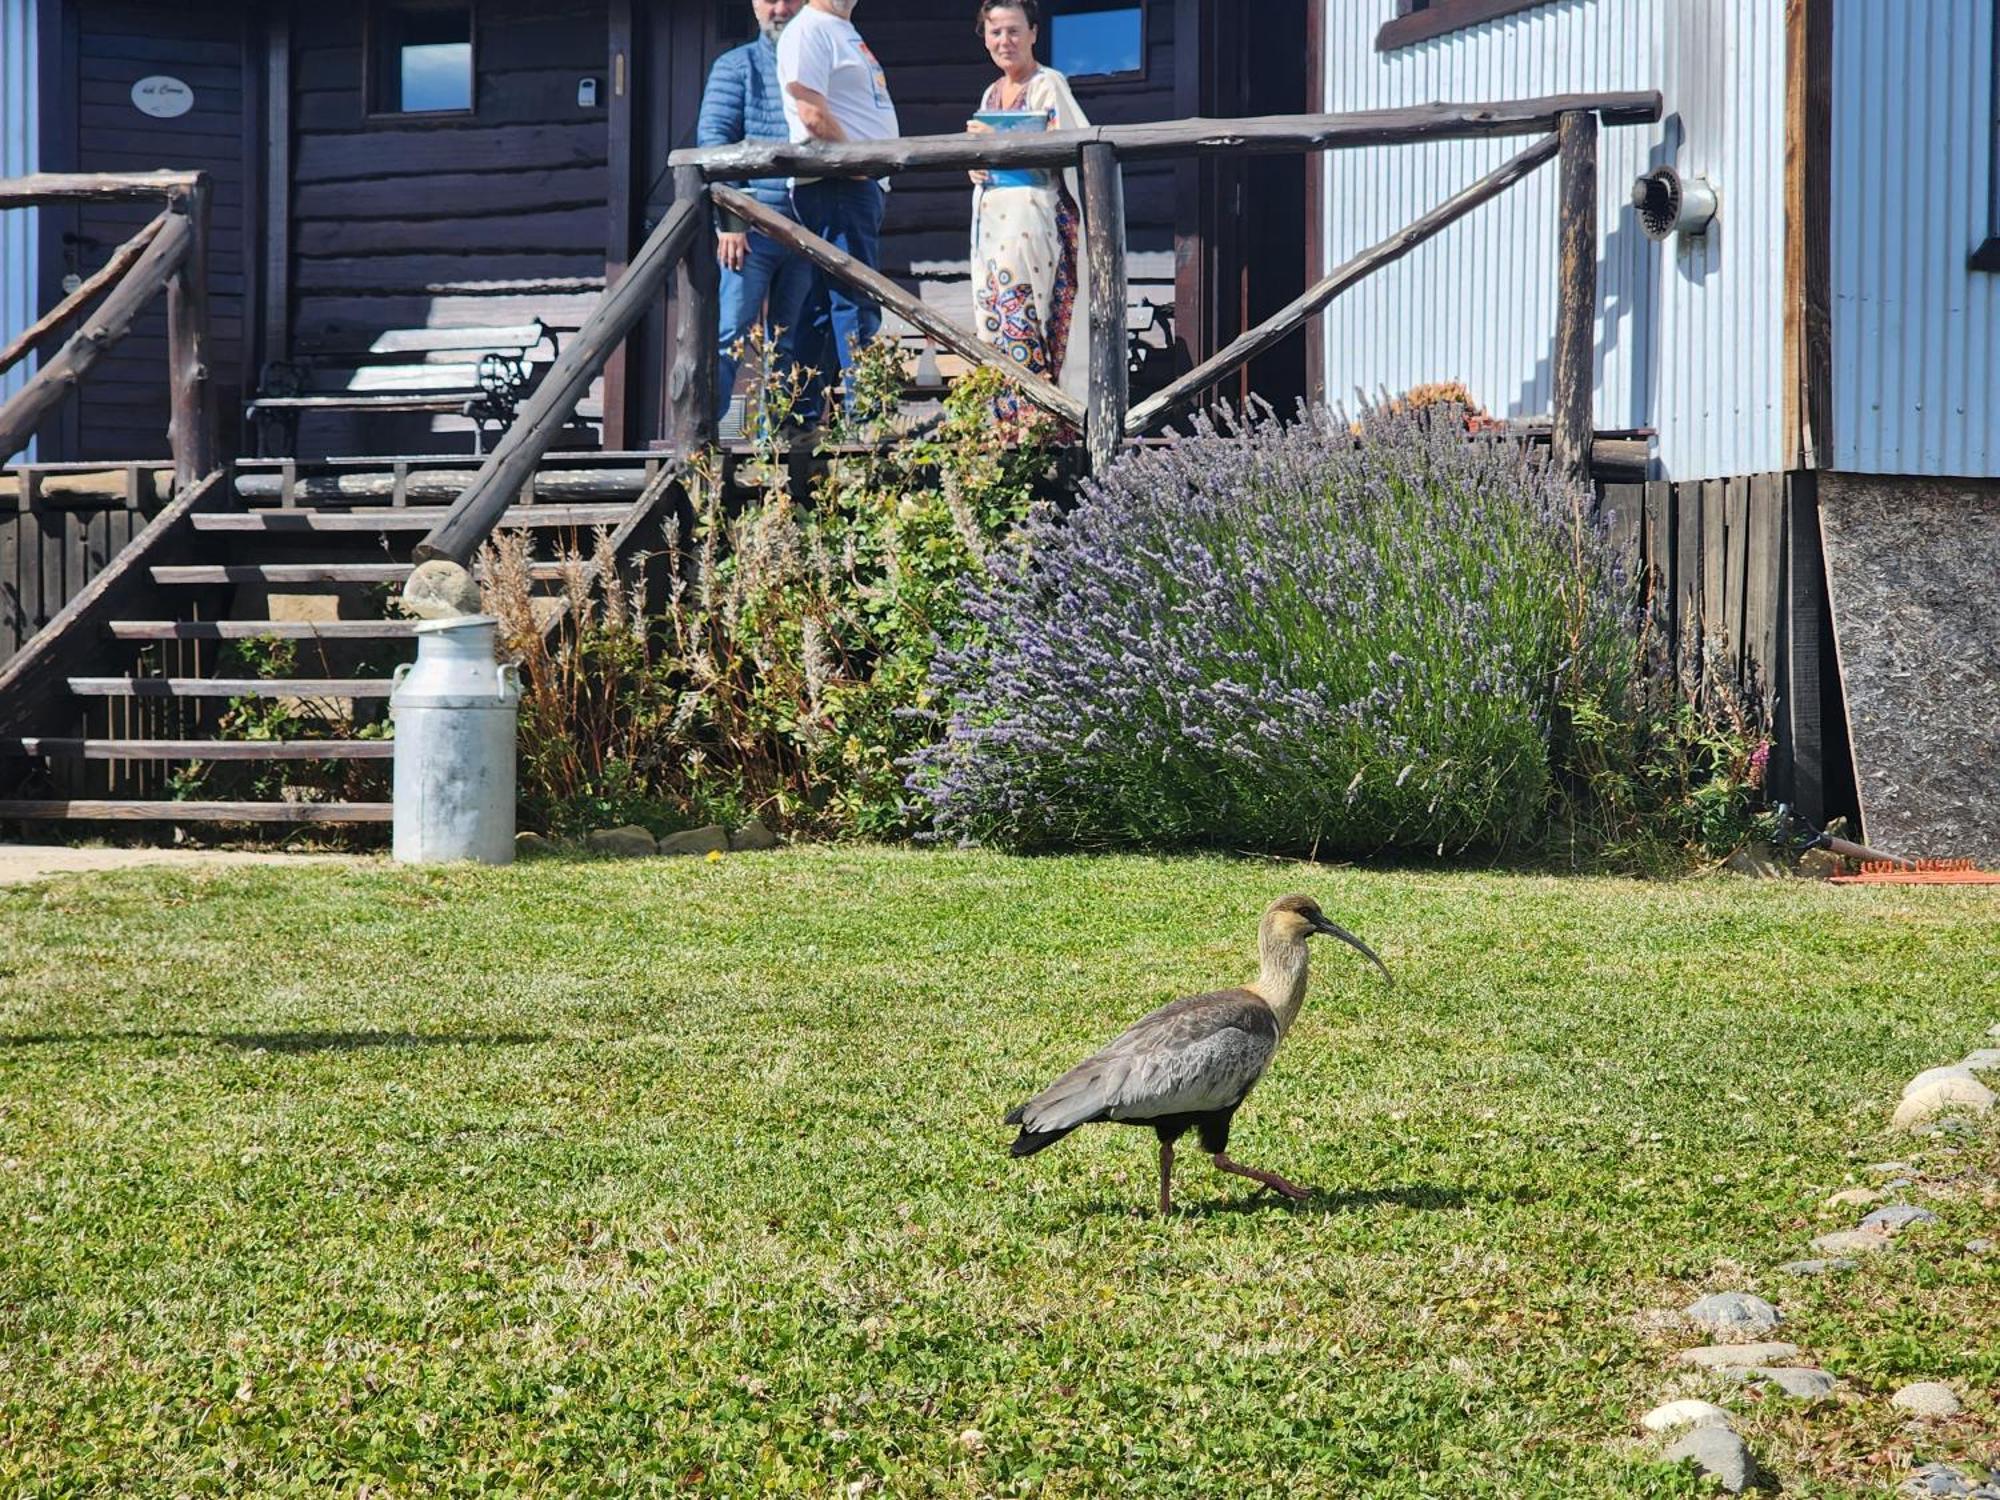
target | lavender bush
x=1285, y=636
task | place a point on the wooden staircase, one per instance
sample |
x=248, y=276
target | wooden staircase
x=233, y=664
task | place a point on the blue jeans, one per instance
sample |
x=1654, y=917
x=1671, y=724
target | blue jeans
x=847, y=214
x=772, y=272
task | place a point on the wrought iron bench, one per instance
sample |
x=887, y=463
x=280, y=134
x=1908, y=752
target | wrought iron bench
x=478, y=373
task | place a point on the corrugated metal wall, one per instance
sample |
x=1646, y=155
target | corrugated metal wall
x=1916, y=372
x=19, y=154
x=1689, y=342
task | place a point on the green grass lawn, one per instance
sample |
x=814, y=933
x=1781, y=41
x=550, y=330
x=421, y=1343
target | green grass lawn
x=681, y=1177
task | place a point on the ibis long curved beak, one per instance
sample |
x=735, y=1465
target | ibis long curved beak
x=1335, y=930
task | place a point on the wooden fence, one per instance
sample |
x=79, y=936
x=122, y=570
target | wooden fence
x=683, y=247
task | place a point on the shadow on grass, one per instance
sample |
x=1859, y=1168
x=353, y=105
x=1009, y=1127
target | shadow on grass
x=285, y=1041
x=1422, y=1197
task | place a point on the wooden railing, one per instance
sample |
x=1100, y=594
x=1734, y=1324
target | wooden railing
x=683, y=244
x=169, y=255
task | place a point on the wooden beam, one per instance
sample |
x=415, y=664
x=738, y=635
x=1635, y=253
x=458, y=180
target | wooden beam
x=515, y=457
x=838, y=263
x=190, y=373
x=1103, y=185
x=1808, y=378
x=103, y=329
x=697, y=324
x=1573, y=363
x=36, y=681
x=1262, y=134
x=621, y=146
x=277, y=187
x=1158, y=408
x=122, y=260
x=81, y=187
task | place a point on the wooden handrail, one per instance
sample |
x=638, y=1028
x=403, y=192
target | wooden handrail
x=156, y=267
x=479, y=508
x=1156, y=409
x=1263, y=134
x=122, y=260
x=81, y=187
x=844, y=267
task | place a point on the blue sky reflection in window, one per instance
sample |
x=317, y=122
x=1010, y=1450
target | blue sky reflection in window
x=1083, y=43
x=437, y=75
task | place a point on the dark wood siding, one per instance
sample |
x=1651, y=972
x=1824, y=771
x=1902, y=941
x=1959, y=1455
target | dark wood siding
x=121, y=409
x=492, y=217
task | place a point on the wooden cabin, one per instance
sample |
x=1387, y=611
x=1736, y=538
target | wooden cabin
x=1814, y=366
x=346, y=214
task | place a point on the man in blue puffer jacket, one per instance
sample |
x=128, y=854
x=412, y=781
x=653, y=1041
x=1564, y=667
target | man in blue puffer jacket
x=742, y=103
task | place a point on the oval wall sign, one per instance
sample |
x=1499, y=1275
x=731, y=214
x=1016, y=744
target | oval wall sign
x=162, y=97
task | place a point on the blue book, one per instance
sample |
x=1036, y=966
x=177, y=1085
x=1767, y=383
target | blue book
x=1009, y=120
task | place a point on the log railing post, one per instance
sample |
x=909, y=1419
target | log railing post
x=1104, y=249
x=1572, y=364
x=192, y=431
x=697, y=323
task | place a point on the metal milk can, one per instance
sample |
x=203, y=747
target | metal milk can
x=455, y=709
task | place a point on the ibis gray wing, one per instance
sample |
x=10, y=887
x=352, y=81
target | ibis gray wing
x=1197, y=1054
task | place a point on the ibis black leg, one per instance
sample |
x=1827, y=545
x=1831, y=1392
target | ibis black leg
x=1166, y=1178
x=1270, y=1180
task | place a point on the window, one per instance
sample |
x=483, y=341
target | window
x=1090, y=40
x=1420, y=20
x=419, y=57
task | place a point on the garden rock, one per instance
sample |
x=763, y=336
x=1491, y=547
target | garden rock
x=1985, y=1060
x=1927, y=1398
x=1943, y=1479
x=1735, y=1313
x=1796, y=1381
x=625, y=843
x=440, y=590
x=1821, y=864
x=1897, y=1217
x=1677, y=1414
x=1851, y=1242
x=1719, y=1452
x=753, y=836
x=528, y=844
x=1979, y=1246
x=1737, y=1356
x=1756, y=859
x=1855, y=1198
x=710, y=840
x=1818, y=1267
x=1938, y=1091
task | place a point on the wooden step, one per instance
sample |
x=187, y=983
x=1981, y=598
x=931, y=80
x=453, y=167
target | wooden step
x=420, y=518
x=262, y=630
x=200, y=812
x=231, y=687
x=203, y=573
x=71, y=749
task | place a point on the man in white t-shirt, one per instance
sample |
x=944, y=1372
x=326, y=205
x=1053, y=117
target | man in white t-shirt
x=834, y=90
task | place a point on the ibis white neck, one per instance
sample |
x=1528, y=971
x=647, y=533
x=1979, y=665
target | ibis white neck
x=1281, y=979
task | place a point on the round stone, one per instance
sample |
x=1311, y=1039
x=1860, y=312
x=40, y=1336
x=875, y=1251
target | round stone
x=1738, y=1356
x=1938, y=1091
x=440, y=590
x=1856, y=1197
x=1897, y=1217
x=1851, y=1242
x=1718, y=1452
x=1799, y=1383
x=1927, y=1398
x=1735, y=1313
x=1677, y=1414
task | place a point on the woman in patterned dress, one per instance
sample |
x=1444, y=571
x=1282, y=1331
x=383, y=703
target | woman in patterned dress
x=1028, y=298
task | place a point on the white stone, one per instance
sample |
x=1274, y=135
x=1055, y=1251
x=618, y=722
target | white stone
x=1737, y=1356
x=1796, y=1381
x=1927, y=1398
x=1851, y=1242
x=1985, y=1060
x=1857, y=1197
x=1948, y=1089
x=1950, y=1072
x=1735, y=1313
x=1678, y=1414
x=440, y=590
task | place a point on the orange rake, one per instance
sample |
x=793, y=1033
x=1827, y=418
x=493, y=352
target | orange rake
x=1919, y=872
